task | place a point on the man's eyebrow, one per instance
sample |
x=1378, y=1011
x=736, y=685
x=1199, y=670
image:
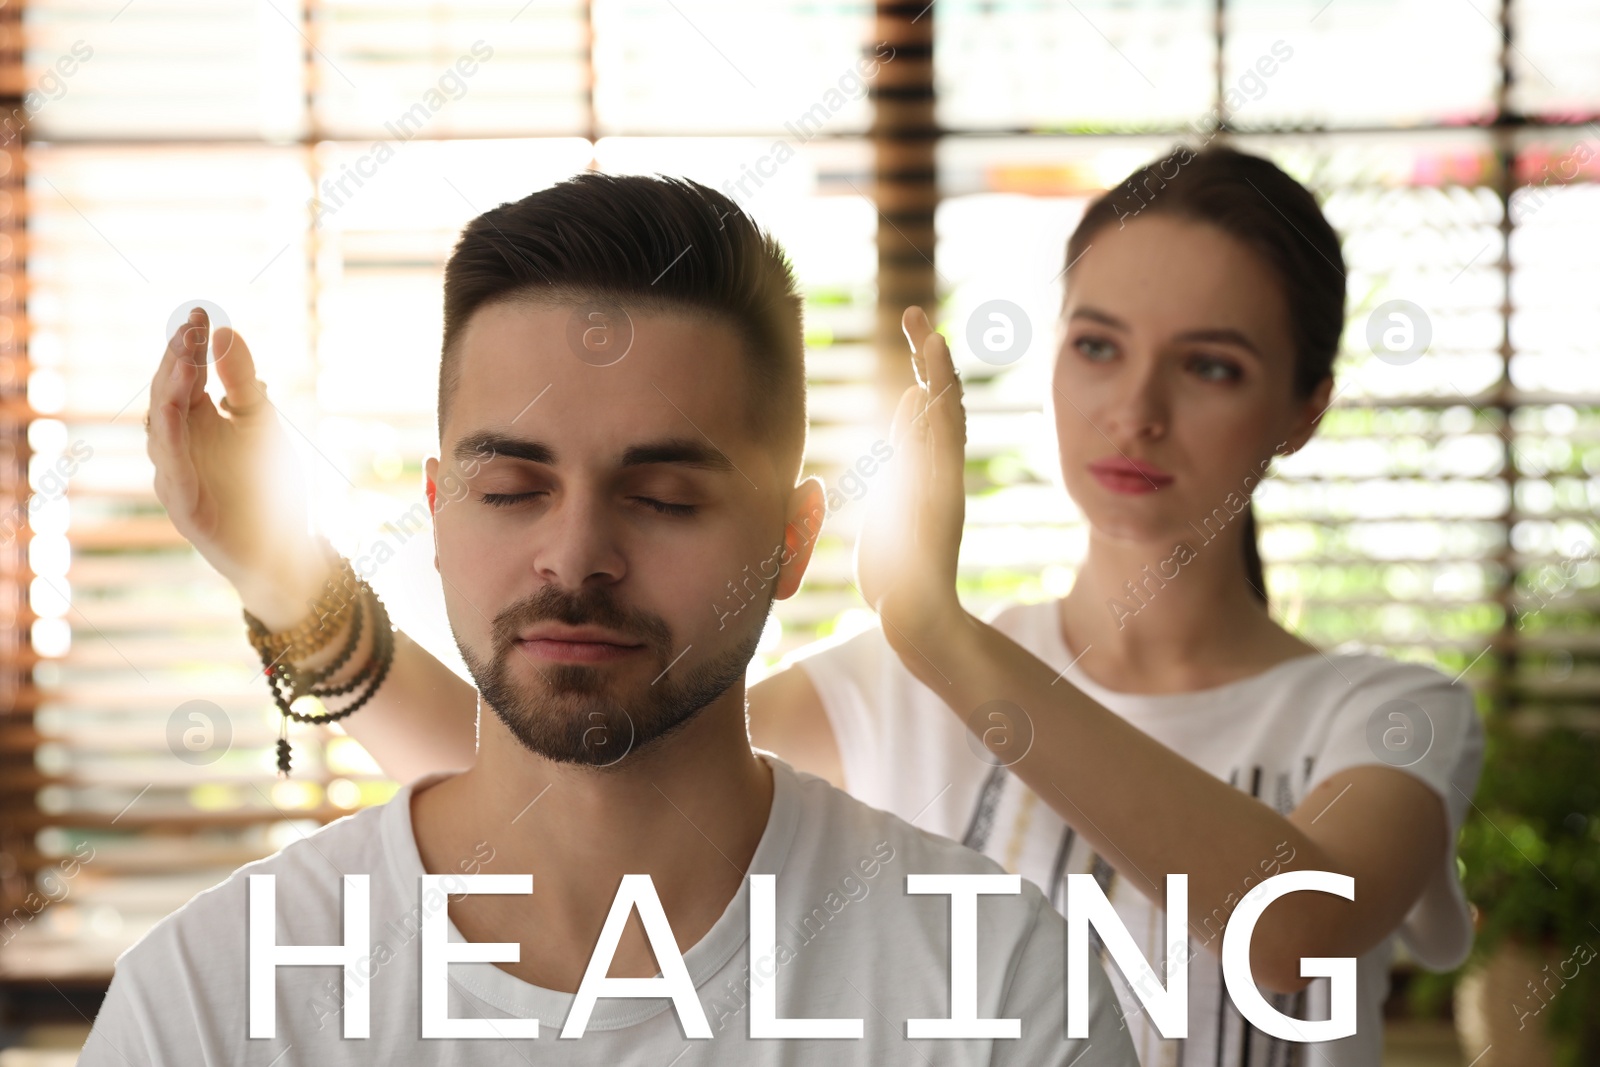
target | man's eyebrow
x=683, y=451
x=477, y=446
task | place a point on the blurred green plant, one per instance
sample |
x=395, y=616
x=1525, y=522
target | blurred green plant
x=1530, y=857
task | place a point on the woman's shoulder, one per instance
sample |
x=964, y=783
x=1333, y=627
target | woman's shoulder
x=855, y=643
x=1033, y=624
x=1364, y=702
x=858, y=639
x=1356, y=666
x=1010, y=612
x=1358, y=682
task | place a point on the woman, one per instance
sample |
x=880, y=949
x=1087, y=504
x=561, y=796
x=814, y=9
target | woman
x=1156, y=719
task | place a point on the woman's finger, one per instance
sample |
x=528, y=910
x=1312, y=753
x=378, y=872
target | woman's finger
x=175, y=469
x=169, y=388
x=178, y=403
x=938, y=434
x=940, y=369
x=951, y=402
x=915, y=325
x=236, y=369
x=943, y=403
x=169, y=408
x=904, y=488
x=176, y=376
x=906, y=419
x=169, y=358
x=197, y=340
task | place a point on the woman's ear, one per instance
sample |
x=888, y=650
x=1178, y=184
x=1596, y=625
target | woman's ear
x=1311, y=412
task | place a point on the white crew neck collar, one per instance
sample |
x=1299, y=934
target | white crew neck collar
x=1046, y=617
x=703, y=959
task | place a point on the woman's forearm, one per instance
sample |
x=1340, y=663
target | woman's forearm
x=423, y=717
x=1146, y=809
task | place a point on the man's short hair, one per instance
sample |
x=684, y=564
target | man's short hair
x=648, y=244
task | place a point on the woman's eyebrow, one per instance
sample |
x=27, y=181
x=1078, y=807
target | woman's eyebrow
x=1096, y=315
x=1218, y=334
x=1222, y=335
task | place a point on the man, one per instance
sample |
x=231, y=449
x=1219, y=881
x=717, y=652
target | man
x=622, y=394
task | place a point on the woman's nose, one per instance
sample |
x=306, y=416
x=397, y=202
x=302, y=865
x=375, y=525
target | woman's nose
x=1140, y=405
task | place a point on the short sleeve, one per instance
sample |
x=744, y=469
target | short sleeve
x=871, y=700
x=118, y=1034
x=150, y=1013
x=1411, y=717
x=848, y=674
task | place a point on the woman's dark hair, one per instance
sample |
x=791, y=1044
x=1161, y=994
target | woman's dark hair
x=650, y=244
x=1250, y=199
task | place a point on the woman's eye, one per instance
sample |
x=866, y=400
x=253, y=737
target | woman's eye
x=1214, y=370
x=1096, y=349
x=506, y=500
x=664, y=507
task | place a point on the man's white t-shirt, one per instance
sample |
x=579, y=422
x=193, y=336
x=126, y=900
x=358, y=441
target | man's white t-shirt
x=851, y=943
x=1276, y=735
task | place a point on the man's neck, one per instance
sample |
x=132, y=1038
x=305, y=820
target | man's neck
x=688, y=811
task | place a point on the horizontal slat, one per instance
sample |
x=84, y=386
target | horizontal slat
x=231, y=222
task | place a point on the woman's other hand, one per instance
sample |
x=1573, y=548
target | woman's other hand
x=229, y=479
x=906, y=554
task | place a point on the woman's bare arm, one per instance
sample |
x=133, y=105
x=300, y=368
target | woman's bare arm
x=1144, y=807
x=423, y=718
x=1151, y=812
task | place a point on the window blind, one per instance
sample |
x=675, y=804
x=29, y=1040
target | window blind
x=212, y=150
x=313, y=193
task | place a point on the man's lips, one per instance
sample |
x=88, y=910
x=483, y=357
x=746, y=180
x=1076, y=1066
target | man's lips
x=577, y=651
x=576, y=644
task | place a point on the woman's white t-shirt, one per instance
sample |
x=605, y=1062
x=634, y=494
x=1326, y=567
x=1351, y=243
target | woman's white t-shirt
x=1276, y=735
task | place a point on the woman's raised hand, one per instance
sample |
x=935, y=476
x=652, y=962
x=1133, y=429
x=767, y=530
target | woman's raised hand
x=230, y=481
x=906, y=555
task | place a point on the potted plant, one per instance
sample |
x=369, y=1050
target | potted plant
x=1530, y=858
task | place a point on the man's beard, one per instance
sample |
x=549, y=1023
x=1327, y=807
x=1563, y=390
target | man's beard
x=567, y=714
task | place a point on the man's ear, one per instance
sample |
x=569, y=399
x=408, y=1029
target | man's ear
x=808, y=506
x=430, y=474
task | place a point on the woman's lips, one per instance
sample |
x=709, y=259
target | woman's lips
x=1129, y=476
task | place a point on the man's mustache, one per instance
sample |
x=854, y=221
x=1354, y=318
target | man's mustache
x=595, y=607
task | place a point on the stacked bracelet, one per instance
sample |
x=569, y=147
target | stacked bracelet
x=328, y=614
x=345, y=601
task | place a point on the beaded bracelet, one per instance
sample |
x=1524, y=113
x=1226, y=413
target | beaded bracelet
x=329, y=612
x=289, y=683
